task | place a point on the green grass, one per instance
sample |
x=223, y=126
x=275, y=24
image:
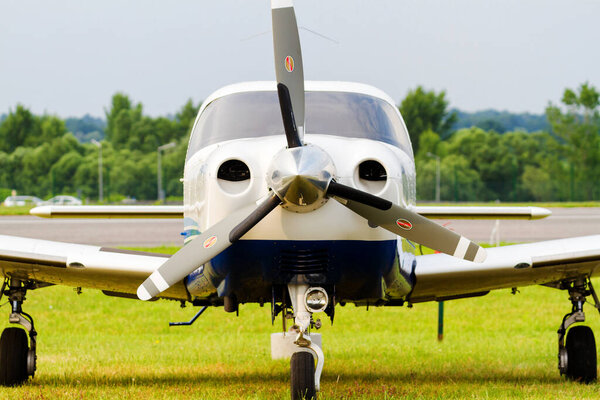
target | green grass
x=16, y=210
x=498, y=346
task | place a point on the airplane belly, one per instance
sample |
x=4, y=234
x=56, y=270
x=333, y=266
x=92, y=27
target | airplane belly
x=356, y=270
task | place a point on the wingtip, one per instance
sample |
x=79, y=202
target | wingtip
x=539, y=212
x=41, y=211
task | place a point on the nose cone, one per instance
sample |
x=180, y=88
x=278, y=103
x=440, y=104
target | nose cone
x=300, y=177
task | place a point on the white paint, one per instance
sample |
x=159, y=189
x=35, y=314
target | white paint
x=158, y=280
x=143, y=294
x=330, y=222
x=458, y=212
x=282, y=344
x=480, y=256
x=281, y=4
x=461, y=247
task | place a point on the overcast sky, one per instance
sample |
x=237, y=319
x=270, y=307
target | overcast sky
x=69, y=57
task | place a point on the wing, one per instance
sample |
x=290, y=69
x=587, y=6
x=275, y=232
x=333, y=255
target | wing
x=114, y=271
x=108, y=211
x=441, y=212
x=440, y=277
x=433, y=212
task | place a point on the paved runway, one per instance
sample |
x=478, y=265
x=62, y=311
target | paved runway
x=101, y=232
x=564, y=222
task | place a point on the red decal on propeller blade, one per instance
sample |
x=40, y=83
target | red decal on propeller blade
x=210, y=242
x=289, y=64
x=404, y=224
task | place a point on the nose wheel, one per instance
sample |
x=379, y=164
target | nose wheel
x=298, y=344
x=302, y=376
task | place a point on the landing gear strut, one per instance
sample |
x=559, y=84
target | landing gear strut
x=577, y=357
x=304, y=348
x=304, y=377
x=17, y=356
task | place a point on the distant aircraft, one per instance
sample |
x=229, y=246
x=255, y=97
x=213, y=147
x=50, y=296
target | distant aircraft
x=305, y=210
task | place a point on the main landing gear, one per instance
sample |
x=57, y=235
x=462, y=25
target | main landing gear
x=304, y=348
x=577, y=357
x=17, y=356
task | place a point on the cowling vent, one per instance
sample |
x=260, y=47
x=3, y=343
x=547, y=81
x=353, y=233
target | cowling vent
x=309, y=261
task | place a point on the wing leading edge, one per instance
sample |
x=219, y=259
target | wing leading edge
x=108, y=211
x=432, y=212
x=492, y=212
x=113, y=270
x=440, y=277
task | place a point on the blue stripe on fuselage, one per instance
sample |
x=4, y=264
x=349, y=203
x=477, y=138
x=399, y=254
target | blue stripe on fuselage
x=249, y=268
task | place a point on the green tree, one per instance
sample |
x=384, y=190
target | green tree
x=538, y=182
x=64, y=170
x=426, y=110
x=52, y=127
x=185, y=118
x=430, y=143
x=488, y=155
x=120, y=119
x=18, y=126
x=579, y=127
x=173, y=162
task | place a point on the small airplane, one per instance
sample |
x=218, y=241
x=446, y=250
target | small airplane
x=301, y=195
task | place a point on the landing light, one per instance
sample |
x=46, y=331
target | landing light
x=316, y=299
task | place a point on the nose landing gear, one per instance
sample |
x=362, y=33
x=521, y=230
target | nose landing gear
x=297, y=343
x=17, y=356
x=577, y=357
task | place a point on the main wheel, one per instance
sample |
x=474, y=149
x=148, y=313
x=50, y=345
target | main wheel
x=581, y=354
x=13, y=357
x=302, y=376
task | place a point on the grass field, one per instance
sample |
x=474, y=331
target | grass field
x=16, y=210
x=498, y=346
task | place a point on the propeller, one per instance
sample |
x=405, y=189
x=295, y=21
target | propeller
x=300, y=179
x=205, y=247
x=289, y=71
x=406, y=223
x=287, y=114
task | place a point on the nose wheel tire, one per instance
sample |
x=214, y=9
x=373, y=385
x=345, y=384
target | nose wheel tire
x=13, y=357
x=581, y=354
x=302, y=376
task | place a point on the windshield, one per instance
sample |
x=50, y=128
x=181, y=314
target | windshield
x=256, y=114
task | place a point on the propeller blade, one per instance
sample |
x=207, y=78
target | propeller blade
x=205, y=247
x=287, y=114
x=288, y=64
x=406, y=223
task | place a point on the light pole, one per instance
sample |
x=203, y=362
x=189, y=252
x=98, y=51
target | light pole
x=161, y=192
x=100, y=190
x=437, y=176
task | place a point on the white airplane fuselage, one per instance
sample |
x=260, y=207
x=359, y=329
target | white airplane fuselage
x=330, y=246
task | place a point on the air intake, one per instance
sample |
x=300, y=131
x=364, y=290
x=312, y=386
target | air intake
x=311, y=261
x=233, y=171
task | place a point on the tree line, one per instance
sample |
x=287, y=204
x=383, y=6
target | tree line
x=480, y=161
x=39, y=156
x=560, y=163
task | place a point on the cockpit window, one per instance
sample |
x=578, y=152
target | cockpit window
x=257, y=114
